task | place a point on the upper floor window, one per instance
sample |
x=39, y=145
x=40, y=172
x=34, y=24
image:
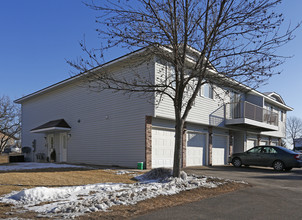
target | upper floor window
x=170, y=76
x=207, y=91
x=281, y=115
x=235, y=97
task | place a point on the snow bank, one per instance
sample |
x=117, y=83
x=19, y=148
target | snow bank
x=69, y=202
x=32, y=165
x=159, y=175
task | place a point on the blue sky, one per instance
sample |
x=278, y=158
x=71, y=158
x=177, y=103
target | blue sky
x=37, y=36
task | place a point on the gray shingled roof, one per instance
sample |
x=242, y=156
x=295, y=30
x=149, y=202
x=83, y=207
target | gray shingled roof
x=60, y=123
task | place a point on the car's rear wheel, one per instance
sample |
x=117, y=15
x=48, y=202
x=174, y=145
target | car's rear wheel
x=236, y=162
x=278, y=165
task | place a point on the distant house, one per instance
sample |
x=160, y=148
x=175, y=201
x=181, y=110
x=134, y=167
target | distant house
x=298, y=144
x=7, y=141
x=111, y=129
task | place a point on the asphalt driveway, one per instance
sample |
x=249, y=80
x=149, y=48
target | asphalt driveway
x=273, y=195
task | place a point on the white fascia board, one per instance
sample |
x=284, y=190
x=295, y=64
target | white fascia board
x=44, y=130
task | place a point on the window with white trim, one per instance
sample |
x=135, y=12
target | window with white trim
x=170, y=76
x=208, y=91
x=281, y=115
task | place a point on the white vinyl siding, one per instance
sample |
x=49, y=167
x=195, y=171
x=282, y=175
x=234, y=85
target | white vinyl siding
x=106, y=128
x=205, y=111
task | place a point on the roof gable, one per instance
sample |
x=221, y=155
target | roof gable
x=59, y=124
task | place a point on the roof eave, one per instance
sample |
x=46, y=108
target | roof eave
x=45, y=130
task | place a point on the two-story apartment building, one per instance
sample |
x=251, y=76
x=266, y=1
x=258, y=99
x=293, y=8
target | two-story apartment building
x=107, y=128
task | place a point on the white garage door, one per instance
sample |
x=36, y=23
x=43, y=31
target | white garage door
x=250, y=143
x=263, y=142
x=274, y=143
x=162, y=148
x=195, y=152
x=219, y=150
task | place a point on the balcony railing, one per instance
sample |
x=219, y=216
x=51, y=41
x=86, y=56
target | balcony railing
x=251, y=111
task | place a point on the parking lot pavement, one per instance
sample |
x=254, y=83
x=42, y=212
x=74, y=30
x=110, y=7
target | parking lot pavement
x=273, y=195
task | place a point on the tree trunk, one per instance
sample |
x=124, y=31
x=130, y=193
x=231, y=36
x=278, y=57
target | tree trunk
x=179, y=126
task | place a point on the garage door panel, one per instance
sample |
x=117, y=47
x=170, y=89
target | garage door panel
x=274, y=143
x=195, y=151
x=263, y=142
x=251, y=143
x=162, y=148
x=219, y=149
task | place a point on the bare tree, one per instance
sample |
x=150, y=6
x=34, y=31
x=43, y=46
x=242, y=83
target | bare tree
x=293, y=129
x=10, y=124
x=216, y=42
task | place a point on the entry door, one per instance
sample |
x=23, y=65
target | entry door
x=63, y=147
x=235, y=105
x=50, y=145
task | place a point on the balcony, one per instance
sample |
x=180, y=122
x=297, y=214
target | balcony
x=250, y=116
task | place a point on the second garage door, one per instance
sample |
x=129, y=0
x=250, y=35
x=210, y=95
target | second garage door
x=250, y=143
x=195, y=153
x=219, y=150
x=263, y=143
x=162, y=148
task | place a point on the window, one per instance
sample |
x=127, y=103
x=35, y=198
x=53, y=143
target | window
x=200, y=92
x=235, y=97
x=269, y=150
x=281, y=115
x=208, y=91
x=255, y=150
x=170, y=76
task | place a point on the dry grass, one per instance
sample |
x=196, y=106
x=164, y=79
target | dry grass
x=3, y=159
x=10, y=181
x=18, y=180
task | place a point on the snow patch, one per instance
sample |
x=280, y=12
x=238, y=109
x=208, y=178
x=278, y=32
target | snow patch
x=69, y=202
